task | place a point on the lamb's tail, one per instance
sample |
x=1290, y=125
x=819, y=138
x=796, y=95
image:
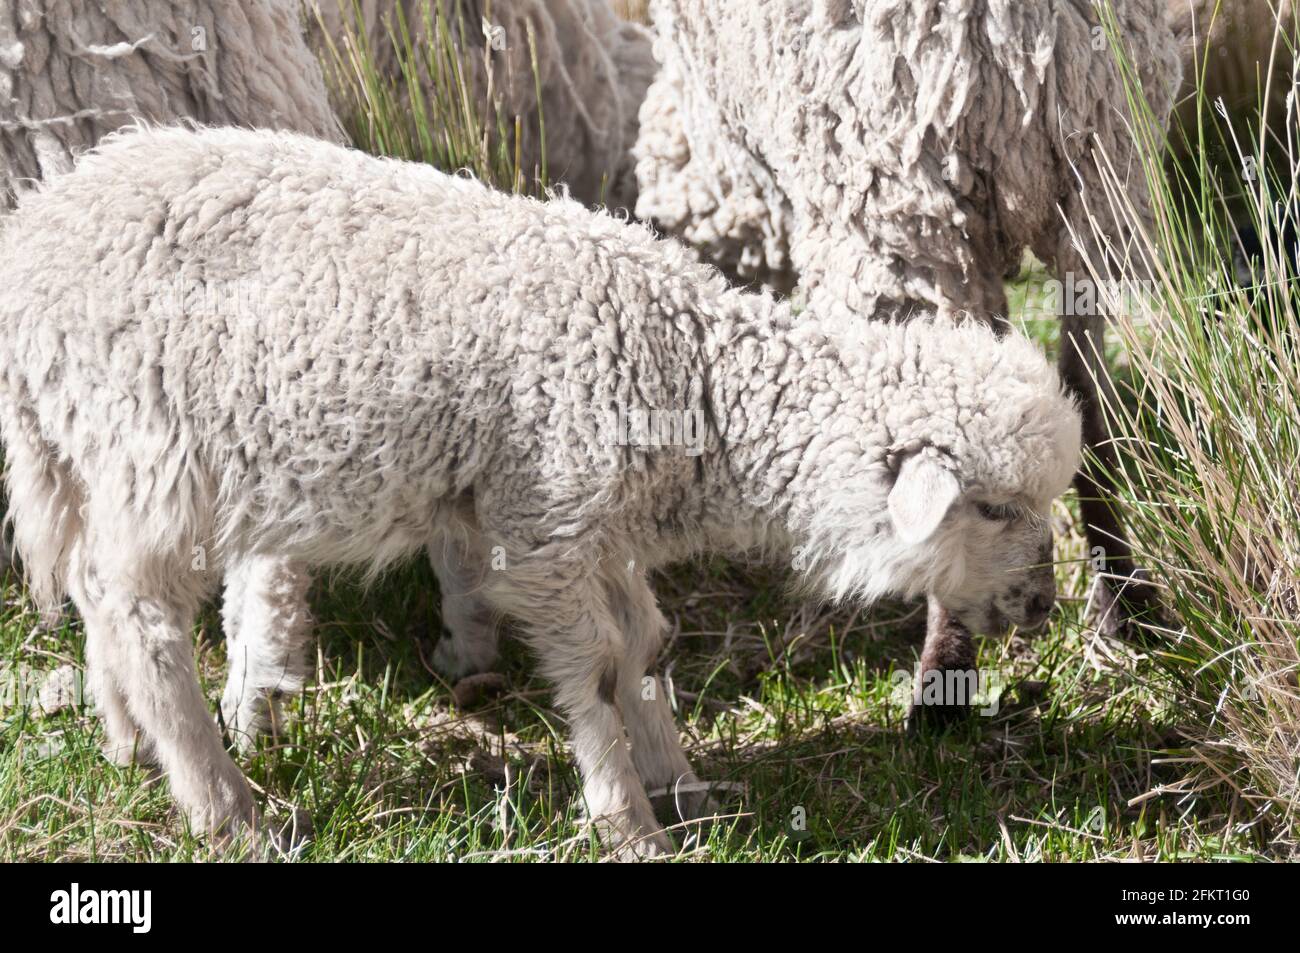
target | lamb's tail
x=44, y=505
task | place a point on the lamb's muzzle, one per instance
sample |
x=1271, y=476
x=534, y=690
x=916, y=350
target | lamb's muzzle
x=258, y=343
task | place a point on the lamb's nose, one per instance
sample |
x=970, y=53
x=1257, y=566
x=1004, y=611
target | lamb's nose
x=1037, y=610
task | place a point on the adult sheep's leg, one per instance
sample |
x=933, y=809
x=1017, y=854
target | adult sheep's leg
x=1119, y=594
x=582, y=651
x=470, y=643
x=652, y=732
x=139, y=619
x=268, y=628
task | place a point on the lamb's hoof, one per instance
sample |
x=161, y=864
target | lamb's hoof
x=242, y=720
x=937, y=718
x=474, y=689
x=453, y=663
x=266, y=839
x=1122, y=607
x=631, y=835
x=131, y=754
x=689, y=803
x=653, y=845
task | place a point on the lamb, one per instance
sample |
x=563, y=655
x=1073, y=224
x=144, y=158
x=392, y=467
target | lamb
x=889, y=157
x=592, y=73
x=417, y=360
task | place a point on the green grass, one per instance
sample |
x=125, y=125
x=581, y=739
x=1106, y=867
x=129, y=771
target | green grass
x=1097, y=750
x=1210, y=422
x=412, y=93
x=797, y=707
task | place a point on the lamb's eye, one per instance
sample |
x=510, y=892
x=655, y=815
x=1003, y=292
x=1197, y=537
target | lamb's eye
x=997, y=513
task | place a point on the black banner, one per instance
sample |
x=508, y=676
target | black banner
x=144, y=902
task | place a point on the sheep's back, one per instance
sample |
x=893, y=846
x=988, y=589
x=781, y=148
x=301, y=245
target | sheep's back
x=340, y=340
x=914, y=148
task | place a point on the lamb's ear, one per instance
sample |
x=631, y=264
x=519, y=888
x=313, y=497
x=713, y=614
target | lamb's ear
x=922, y=494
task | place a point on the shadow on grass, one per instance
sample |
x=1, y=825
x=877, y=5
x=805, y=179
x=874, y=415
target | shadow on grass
x=799, y=715
x=794, y=706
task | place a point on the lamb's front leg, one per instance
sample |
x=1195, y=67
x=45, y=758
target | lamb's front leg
x=581, y=649
x=947, y=668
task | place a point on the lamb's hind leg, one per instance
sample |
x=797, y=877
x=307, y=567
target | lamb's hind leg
x=469, y=645
x=580, y=647
x=142, y=633
x=268, y=629
x=652, y=731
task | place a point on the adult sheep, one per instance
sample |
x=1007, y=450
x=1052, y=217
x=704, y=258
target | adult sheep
x=70, y=73
x=900, y=155
x=433, y=360
x=592, y=72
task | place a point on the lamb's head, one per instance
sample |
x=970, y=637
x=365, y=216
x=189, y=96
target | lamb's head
x=990, y=545
x=983, y=439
